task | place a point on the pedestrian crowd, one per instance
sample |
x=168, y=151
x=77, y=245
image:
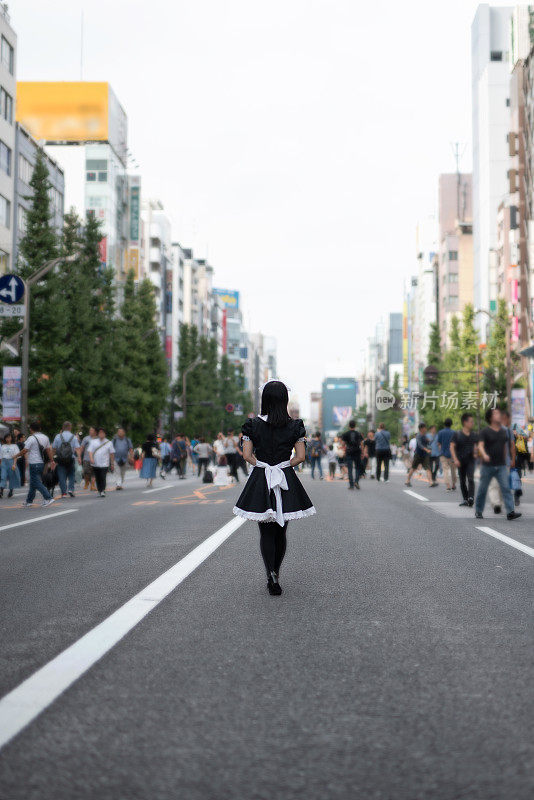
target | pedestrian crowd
x=504, y=454
x=73, y=458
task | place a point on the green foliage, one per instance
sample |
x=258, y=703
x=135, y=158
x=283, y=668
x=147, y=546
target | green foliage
x=392, y=417
x=210, y=386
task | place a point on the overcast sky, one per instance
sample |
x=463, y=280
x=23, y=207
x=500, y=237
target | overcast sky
x=294, y=143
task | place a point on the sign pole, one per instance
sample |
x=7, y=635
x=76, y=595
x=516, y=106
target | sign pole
x=25, y=361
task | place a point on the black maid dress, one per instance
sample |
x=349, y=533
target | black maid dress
x=273, y=446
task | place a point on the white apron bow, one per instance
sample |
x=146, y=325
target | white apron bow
x=277, y=481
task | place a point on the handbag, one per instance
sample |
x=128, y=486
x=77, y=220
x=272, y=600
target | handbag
x=515, y=480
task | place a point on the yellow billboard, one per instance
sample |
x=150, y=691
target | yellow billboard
x=64, y=111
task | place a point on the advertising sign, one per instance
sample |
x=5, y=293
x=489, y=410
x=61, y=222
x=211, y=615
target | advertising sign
x=64, y=111
x=229, y=298
x=519, y=407
x=341, y=415
x=135, y=194
x=11, y=394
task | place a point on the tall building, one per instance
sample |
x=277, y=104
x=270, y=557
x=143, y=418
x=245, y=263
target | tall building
x=455, y=266
x=8, y=86
x=338, y=403
x=490, y=45
x=26, y=149
x=395, y=348
x=87, y=114
x=157, y=265
x=426, y=293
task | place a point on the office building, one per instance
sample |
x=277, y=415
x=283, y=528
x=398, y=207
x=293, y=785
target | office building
x=8, y=86
x=490, y=46
x=156, y=260
x=455, y=264
x=394, y=351
x=26, y=149
x=87, y=114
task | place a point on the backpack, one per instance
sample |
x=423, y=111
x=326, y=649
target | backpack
x=65, y=453
x=42, y=450
x=520, y=444
x=208, y=476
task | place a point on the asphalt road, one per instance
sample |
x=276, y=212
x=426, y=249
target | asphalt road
x=397, y=664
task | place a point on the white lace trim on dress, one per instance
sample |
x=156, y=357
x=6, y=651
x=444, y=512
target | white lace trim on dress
x=270, y=514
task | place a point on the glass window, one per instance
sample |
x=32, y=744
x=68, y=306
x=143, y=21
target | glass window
x=25, y=169
x=96, y=163
x=7, y=55
x=91, y=176
x=21, y=220
x=6, y=105
x=5, y=158
x=453, y=255
x=496, y=55
x=5, y=212
x=102, y=177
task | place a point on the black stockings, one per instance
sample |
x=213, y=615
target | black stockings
x=273, y=544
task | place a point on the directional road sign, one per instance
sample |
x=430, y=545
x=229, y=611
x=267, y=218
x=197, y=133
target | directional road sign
x=12, y=290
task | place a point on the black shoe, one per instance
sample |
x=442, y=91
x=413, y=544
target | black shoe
x=1, y=492
x=465, y=503
x=351, y=487
x=470, y=502
x=434, y=483
x=71, y=494
x=273, y=585
x=356, y=485
x=513, y=515
x=10, y=493
x=478, y=515
x=496, y=509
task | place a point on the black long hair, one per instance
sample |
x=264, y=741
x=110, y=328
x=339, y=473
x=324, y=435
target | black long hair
x=274, y=401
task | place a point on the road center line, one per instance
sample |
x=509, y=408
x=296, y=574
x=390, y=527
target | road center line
x=161, y=488
x=508, y=540
x=37, y=519
x=414, y=494
x=27, y=701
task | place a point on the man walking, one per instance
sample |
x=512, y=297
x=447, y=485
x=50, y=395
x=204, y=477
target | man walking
x=434, y=452
x=179, y=455
x=421, y=456
x=87, y=470
x=123, y=448
x=37, y=451
x=316, y=453
x=353, y=442
x=231, y=451
x=494, y=493
x=165, y=451
x=102, y=457
x=463, y=447
x=492, y=447
x=382, y=451
x=369, y=450
x=203, y=450
x=444, y=442
x=66, y=449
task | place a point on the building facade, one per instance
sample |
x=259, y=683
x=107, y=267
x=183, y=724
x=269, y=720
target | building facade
x=490, y=46
x=26, y=149
x=8, y=88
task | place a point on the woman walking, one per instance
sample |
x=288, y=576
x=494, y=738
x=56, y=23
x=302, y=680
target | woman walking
x=9, y=474
x=273, y=494
x=150, y=459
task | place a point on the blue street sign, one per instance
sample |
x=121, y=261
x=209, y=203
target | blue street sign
x=11, y=289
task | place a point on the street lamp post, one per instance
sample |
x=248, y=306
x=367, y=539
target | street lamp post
x=183, y=399
x=25, y=331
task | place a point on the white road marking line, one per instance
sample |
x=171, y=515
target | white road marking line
x=161, y=488
x=37, y=519
x=507, y=540
x=27, y=701
x=414, y=494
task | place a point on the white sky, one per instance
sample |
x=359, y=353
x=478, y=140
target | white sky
x=294, y=143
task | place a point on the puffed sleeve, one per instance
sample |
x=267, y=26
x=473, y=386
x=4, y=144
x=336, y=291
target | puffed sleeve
x=246, y=430
x=300, y=431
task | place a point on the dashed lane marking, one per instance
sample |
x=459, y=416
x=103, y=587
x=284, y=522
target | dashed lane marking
x=507, y=540
x=414, y=494
x=37, y=519
x=22, y=705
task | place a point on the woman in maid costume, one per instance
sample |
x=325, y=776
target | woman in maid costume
x=273, y=494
